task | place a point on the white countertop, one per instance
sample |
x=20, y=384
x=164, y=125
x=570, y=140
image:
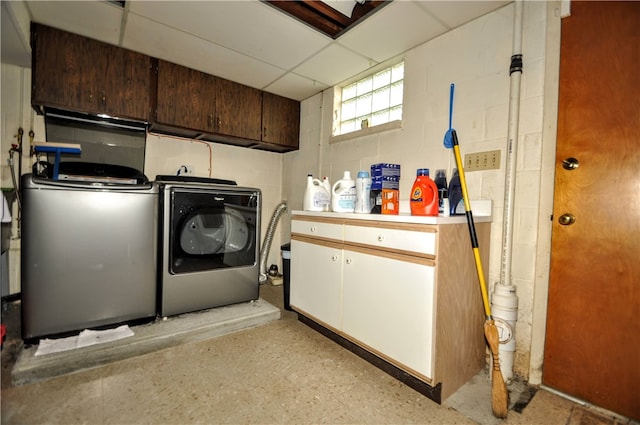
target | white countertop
x=400, y=218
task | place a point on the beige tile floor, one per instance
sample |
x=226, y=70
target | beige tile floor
x=279, y=373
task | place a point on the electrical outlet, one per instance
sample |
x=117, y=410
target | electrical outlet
x=479, y=161
x=184, y=170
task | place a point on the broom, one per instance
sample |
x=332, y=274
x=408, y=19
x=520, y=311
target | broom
x=499, y=394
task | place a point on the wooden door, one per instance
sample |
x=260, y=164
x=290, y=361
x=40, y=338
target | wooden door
x=592, y=348
x=238, y=110
x=280, y=121
x=186, y=98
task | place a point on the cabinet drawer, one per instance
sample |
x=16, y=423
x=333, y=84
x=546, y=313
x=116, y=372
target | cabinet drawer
x=317, y=229
x=420, y=242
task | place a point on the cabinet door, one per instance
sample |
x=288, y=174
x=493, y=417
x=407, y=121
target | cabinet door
x=316, y=281
x=77, y=73
x=127, y=86
x=186, y=97
x=68, y=70
x=238, y=110
x=389, y=306
x=280, y=120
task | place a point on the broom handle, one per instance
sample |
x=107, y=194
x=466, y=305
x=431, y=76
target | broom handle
x=472, y=227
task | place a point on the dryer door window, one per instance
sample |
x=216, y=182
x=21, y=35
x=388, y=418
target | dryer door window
x=211, y=231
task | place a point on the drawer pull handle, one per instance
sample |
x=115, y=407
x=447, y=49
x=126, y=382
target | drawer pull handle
x=380, y=238
x=334, y=257
x=349, y=260
x=314, y=229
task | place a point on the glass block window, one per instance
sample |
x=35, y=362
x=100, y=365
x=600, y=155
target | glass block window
x=371, y=101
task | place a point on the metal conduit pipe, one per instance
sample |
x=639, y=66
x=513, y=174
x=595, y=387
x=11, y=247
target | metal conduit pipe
x=504, y=298
x=268, y=238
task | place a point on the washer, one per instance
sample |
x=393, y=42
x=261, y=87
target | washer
x=88, y=254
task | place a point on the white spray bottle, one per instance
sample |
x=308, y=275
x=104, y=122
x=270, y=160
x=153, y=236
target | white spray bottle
x=327, y=185
x=363, y=193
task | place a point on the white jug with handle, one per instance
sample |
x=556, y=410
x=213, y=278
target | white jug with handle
x=316, y=197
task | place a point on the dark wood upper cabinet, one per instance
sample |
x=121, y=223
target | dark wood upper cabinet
x=185, y=99
x=74, y=73
x=238, y=110
x=79, y=74
x=128, y=83
x=280, y=121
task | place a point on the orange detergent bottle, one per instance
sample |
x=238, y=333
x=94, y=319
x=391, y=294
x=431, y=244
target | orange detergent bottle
x=424, y=195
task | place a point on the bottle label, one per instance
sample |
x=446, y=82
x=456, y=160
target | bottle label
x=320, y=200
x=416, y=196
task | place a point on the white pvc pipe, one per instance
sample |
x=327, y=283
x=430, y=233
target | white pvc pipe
x=512, y=144
x=504, y=297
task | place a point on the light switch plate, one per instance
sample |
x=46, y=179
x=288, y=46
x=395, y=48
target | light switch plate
x=489, y=160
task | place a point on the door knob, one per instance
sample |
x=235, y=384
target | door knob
x=567, y=219
x=570, y=164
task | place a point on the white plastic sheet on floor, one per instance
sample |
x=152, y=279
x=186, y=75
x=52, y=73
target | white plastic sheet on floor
x=86, y=338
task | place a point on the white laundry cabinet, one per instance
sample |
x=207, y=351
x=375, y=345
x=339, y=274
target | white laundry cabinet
x=401, y=291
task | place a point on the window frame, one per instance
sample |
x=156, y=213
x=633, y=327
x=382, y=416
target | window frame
x=366, y=129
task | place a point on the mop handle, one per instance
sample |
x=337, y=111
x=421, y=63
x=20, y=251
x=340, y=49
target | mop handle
x=472, y=227
x=451, y=89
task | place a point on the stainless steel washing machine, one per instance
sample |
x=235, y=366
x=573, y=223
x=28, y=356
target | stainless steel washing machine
x=209, y=243
x=88, y=253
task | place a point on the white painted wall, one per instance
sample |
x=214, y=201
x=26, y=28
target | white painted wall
x=476, y=58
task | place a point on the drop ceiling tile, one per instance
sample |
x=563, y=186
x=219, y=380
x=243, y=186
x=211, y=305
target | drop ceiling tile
x=295, y=87
x=248, y=27
x=333, y=65
x=398, y=27
x=456, y=13
x=181, y=48
x=98, y=20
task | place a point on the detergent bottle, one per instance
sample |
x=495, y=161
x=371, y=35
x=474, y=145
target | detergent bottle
x=343, y=194
x=456, y=202
x=443, y=190
x=316, y=197
x=424, y=195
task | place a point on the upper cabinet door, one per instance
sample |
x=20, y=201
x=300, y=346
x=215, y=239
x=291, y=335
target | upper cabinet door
x=84, y=75
x=63, y=75
x=186, y=98
x=128, y=83
x=238, y=110
x=280, y=121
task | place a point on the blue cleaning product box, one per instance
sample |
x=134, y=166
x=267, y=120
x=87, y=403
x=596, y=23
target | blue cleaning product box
x=385, y=182
x=384, y=169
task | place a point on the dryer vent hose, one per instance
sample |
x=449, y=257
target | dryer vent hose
x=268, y=238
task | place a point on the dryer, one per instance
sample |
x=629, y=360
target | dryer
x=209, y=244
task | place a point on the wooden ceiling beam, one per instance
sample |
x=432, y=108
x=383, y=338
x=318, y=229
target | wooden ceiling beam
x=323, y=17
